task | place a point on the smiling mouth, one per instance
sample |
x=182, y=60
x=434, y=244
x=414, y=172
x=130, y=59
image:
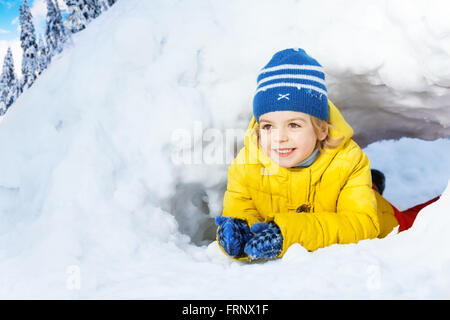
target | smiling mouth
x=284, y=152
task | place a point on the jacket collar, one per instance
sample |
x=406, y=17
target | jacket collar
x=309, y=160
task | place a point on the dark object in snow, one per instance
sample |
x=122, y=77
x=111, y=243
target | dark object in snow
x=378, y=180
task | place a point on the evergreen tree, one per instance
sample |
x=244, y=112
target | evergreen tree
x=2, y=108
x=84, y=11
x=78, y=17
x=94, y=8
x=8, y=83
x=103, y=5
x=44, y=57
x=29, y=46
x=111, y=2
x=63, y=31
x=85, y=8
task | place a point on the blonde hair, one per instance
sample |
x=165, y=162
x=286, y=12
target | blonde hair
x=317, y=123
x=328, y=142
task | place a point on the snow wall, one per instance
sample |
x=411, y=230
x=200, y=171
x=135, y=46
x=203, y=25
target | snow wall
x=95, y=204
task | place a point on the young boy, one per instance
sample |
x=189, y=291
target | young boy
x=300, y=178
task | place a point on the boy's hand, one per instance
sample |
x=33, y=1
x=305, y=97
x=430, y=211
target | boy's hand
x=267, y=242
x=233, y=234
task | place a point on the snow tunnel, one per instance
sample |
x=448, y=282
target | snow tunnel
x=381, y=108
x=195, y=203
x=88, y=180
x=379, y=116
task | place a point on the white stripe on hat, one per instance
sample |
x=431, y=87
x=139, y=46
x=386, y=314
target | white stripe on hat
x=292, y=76
x=290, y=84
x=294, y=67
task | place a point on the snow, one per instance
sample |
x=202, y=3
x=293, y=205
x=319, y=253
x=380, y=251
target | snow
x=93, y=205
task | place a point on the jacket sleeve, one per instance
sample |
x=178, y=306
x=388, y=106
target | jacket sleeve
x=237, y=202
x=355, y=217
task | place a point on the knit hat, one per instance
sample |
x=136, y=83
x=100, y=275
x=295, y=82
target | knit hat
x=291, y=81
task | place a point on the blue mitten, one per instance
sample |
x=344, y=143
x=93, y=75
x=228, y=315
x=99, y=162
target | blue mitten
x=266, y=243
x=233, y=234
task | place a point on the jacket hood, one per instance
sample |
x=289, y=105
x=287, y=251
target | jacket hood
x=254, y=154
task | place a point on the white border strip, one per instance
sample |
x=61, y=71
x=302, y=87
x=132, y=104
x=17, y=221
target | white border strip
x=290, y=84
x=292, y=76
x=293, y=67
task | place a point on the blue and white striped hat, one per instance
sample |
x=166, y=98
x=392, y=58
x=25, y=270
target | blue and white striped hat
x=294, y=81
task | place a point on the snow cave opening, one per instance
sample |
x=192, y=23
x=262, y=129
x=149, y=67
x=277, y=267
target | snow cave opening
x=384, y=124
x=190, y=205
x=195, y=205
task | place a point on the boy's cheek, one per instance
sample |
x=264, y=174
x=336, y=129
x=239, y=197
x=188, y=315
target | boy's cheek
x=265, y=144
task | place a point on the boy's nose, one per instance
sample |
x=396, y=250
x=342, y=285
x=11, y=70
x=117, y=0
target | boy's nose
x=279, y=135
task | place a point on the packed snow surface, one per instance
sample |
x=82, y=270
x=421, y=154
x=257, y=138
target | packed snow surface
x=95, y=204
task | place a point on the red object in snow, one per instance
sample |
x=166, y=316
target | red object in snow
x=406, y=218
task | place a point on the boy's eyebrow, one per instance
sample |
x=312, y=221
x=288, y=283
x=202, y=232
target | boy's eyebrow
x=298, y=118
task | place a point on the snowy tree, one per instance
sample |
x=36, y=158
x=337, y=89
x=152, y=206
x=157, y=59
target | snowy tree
x=65, y=35
x=55, y=31
x=2, y=108
x=44, y=56
x=29, y=46
x=8, y=83
x=103, y=4
x=111, y=2
x=78, y=17
x=82, y=12
x=94, y=8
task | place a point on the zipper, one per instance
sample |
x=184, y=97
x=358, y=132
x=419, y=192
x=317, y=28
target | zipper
x=308, y=189
x=289, y=205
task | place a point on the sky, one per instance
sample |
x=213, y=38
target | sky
x=9, y=12
x=9, y=26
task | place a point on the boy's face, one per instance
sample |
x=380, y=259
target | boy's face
x=288, y=137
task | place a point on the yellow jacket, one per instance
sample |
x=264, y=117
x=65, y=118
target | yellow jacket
x=336, y=191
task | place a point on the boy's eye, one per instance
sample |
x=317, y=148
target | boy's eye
x=294, y=125
x=266, y=127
